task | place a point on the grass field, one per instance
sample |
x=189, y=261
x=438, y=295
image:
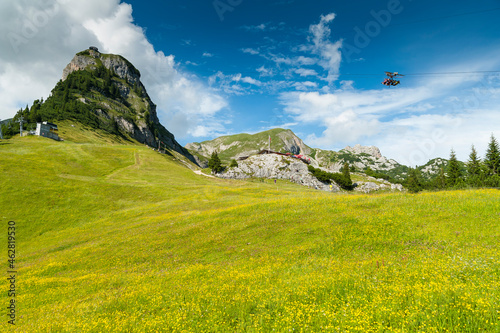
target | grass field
x=118, y=238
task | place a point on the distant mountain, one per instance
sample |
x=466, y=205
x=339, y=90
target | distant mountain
x=284, y=141
x=104, y=91
x=240, y=145
x=432, y=168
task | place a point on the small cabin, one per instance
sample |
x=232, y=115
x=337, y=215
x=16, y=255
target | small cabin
x=47, y=130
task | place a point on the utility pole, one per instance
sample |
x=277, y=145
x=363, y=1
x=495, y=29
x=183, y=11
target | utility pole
x=20, y=121
x=1, y=135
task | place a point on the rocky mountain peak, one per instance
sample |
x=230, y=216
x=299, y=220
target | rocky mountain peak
x=359, y=149
x=105, y=91
x=92, y=58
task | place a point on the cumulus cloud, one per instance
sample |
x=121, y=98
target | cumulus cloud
x=41, y=38
x=411, y=125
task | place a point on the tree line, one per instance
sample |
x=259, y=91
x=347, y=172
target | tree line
x=478, y=172
x=63, y=103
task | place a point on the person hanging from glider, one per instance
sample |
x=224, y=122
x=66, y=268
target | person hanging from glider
x=390, y=79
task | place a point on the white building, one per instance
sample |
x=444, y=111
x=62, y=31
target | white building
x=47, y=130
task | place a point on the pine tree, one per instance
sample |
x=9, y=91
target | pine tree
x=455, y=176
x=474, y=169
x=440, y=181
x=492, y=160
x=347, y=175
x=413, y=183
x=215, y=164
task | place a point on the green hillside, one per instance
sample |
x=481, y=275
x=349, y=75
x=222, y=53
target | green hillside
x=245, y=144
x=119, y=238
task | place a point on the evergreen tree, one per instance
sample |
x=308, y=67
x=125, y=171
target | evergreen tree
x=215, y=164
x=474, y=169
x=455, y=176
x=233, y=164
x=440, y=181
x=413, y=182
x=347, y=175
x=492, y=160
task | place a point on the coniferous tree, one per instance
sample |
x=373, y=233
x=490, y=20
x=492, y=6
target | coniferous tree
x=413, y=183
x=492, y=160
x=215, y=164
x=474, y=169
x=440, y=181
x=455, y=176
x=347, y=175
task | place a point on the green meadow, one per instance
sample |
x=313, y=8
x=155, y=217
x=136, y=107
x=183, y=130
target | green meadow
x=115, y=237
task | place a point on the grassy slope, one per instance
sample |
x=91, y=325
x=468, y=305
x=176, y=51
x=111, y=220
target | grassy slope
x=249, y=142
x=73, y=131
x=120, y=238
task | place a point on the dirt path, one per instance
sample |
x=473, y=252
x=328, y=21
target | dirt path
x=198, y=172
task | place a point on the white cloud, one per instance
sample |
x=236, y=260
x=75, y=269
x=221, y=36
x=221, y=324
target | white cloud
x=263, y=71
x=317, y=51
x=308, y=61
x=305, y=86
x=232, y=84
x=329, y=52
x=264, y=27
x=260, y=27
x=207, y=55
x=411, y=125
x=250, y=51
x=41, y=39
x=252, y=81
x=306, y=72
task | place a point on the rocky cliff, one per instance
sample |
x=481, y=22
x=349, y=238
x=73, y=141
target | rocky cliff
x=276, y=167
x=110, y=87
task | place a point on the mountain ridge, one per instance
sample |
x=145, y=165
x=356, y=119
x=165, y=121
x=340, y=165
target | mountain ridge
x=286, y=141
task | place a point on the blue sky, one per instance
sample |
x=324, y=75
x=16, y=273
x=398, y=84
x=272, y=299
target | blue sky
x=230, y=66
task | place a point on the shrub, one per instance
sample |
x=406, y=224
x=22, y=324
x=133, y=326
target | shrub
x=328, y=177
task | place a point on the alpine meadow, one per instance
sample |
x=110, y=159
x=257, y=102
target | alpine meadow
x=120, y=238
x=230, y=166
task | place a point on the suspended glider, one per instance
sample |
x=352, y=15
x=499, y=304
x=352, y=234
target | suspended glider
x=391, y=80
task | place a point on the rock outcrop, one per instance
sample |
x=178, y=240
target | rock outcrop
x=370, y=150
x=132, y=111
x=91, y=59
x=376, y=185
x=276, y=167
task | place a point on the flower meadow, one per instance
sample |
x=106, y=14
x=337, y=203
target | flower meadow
x=122, y=239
